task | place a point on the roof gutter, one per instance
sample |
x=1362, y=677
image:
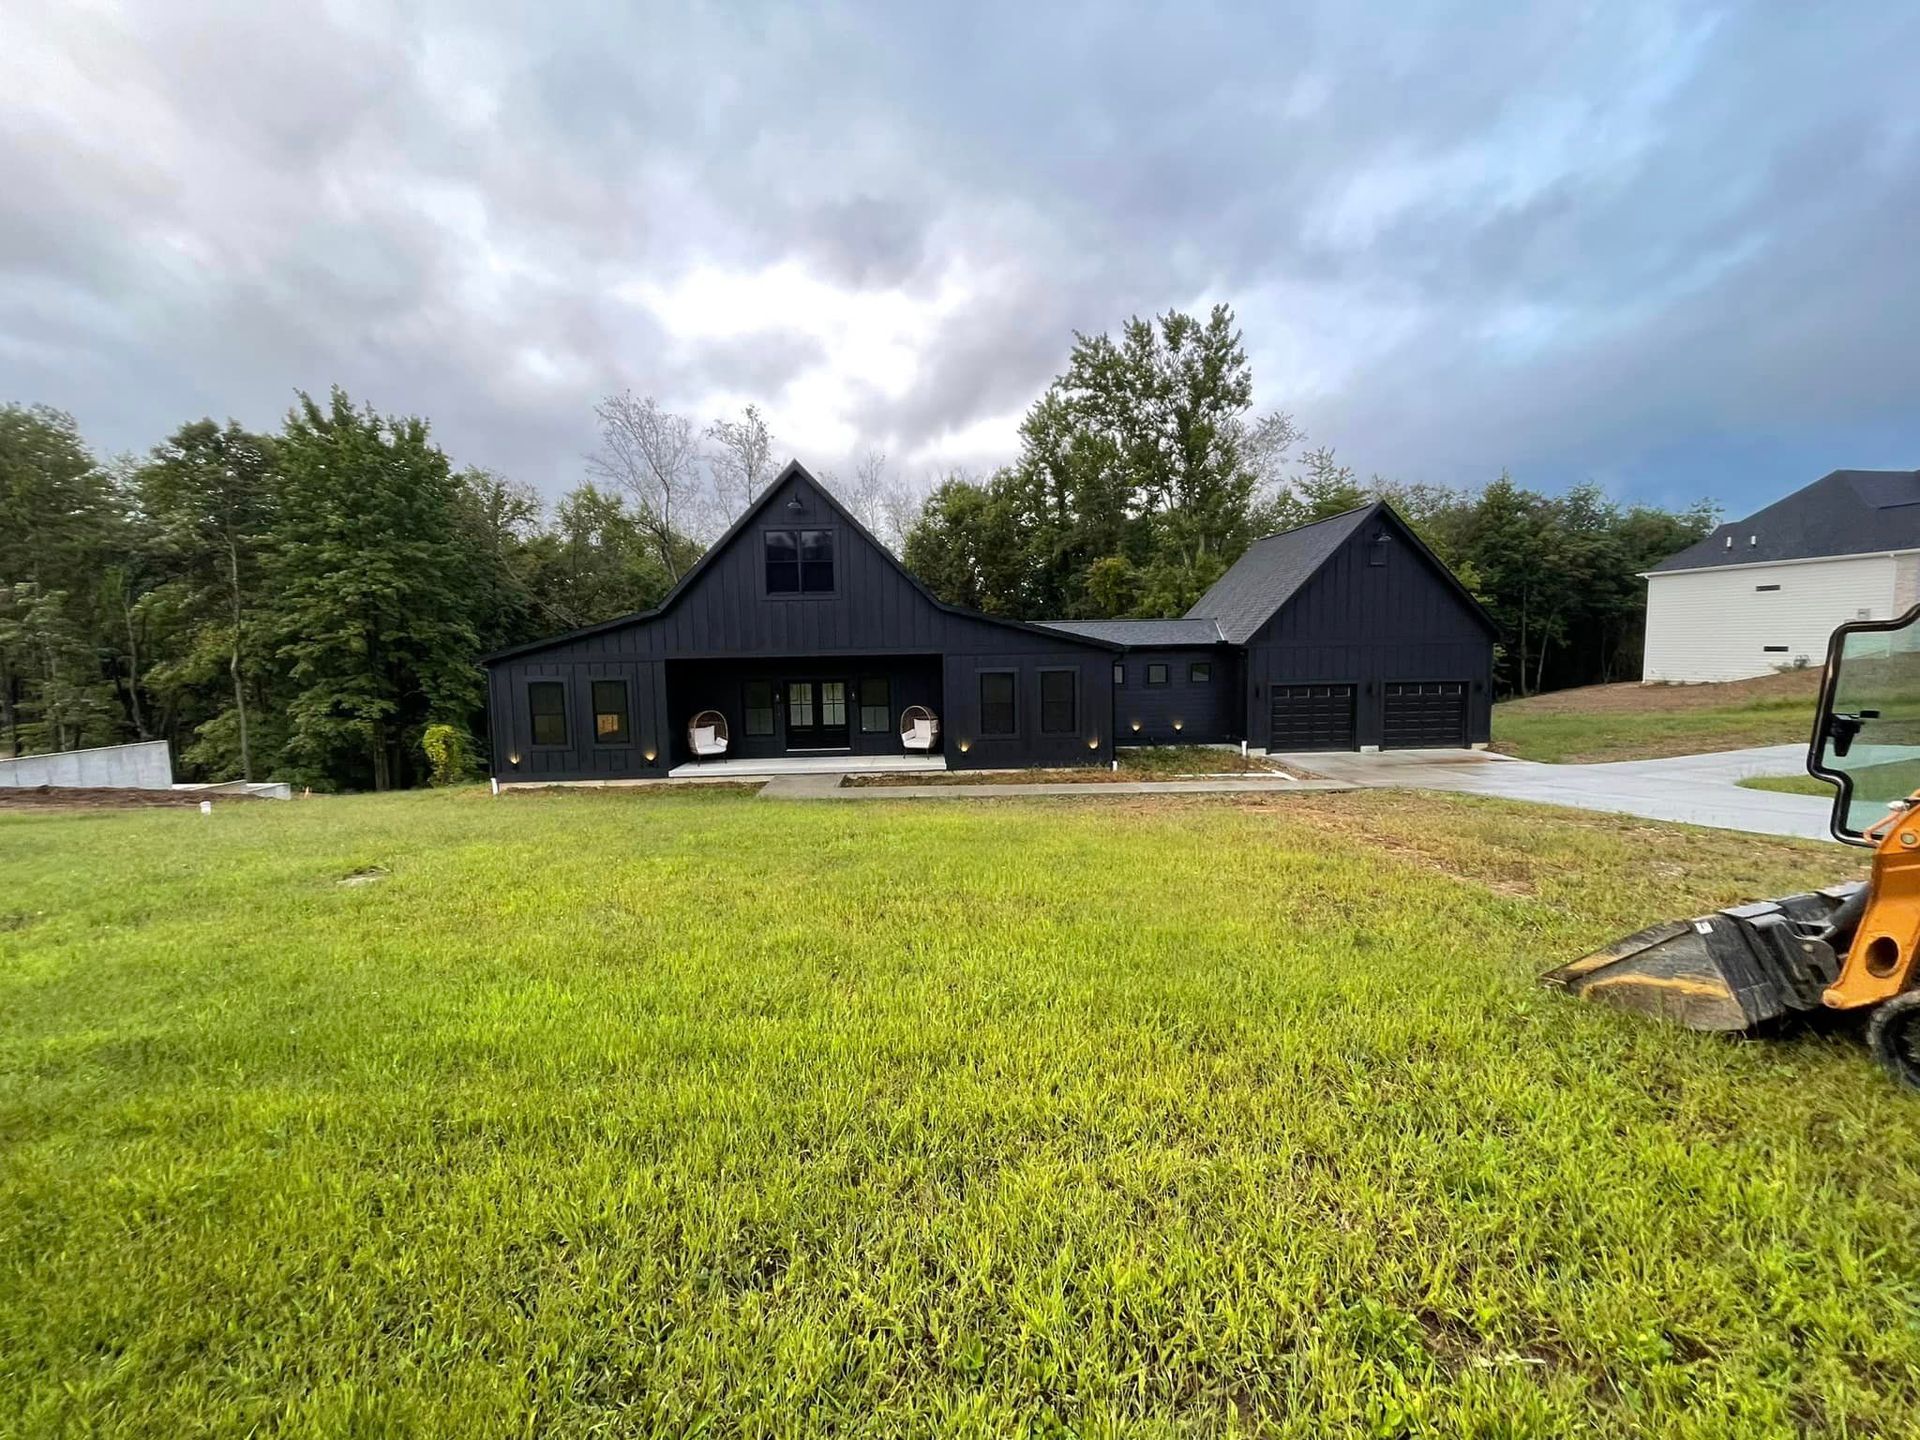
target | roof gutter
x=1775, y=564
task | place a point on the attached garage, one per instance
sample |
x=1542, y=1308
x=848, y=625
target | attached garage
x=1356, y=637
x=1312, y=717
x=1424, y=714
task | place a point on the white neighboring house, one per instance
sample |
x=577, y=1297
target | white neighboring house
x=1767, y=591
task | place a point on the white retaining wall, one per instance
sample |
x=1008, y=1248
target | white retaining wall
x=145, y=766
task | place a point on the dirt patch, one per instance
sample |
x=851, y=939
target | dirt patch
x=62, y=797
x=1228, y=767
x=1635, y=698
x=372, y=875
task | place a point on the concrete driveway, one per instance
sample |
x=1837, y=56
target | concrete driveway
x=1692, y=789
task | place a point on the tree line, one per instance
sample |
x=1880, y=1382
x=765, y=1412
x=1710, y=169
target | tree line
x=1144, y=472
x=305, y=604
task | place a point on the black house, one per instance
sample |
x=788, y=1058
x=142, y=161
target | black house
x=799, y=634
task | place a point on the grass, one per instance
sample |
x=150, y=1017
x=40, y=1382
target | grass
x=1142, y=762
x=632, y=1113
x=1636, y=722
x=1788, y=785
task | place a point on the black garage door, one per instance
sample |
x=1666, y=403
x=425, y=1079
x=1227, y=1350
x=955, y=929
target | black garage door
x=1312, y=717
x=1424, y=714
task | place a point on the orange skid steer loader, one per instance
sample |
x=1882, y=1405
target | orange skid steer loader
x=1852, y=948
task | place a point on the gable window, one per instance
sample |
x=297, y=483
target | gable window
x=998, y=714
x=610, y=719
x=1774, y=649
x=1766, y=587
x=816, y=562
x=1119, y=673
x=1059, y=712
x=783, y=562
x=1156, y=674
x=758, y=696
x=1200, y=673
x=547, y=707
x=799, y=562
x=876, y=707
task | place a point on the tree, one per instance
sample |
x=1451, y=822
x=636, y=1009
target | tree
x=598, y=560
x=373, y=592
x=209, y=494
x=966, y=547
x=654, y=455
x=878, y=501
x=741, y=460
x=57, y=518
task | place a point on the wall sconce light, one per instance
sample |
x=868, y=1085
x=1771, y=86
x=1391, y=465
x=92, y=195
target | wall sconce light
x=1177, y=724
x=793, y=503
x=514, y=758
x=1094, y=743
x=1136, y=727
x=650, y=756
x=965, y=745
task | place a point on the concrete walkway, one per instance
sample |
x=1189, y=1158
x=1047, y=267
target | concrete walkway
x=1691, y=789
x=828, y=787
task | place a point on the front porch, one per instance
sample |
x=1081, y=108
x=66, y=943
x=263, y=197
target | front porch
x=774, y=766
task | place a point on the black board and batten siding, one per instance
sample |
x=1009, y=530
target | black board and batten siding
x=1184, y=709
x=1379, y=631
x=722, y=629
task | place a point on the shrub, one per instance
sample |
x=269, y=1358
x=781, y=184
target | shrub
x=449, y=754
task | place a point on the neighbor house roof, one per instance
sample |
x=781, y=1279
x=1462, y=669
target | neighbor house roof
x=1271, y=571
x=1141, y=632
x=1850, y=512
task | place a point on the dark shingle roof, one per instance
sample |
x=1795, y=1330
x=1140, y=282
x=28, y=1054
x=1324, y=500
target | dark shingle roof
x=1141, y=632
x=1850, y=512
x=1271, y=570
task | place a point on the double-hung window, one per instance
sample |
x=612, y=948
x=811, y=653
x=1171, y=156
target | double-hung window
x=1059, y=707
x=611, y=722
x=998, y=713
x=547, y=709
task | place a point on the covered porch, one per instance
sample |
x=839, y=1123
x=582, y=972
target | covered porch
x=804, y=715
x=779, y=765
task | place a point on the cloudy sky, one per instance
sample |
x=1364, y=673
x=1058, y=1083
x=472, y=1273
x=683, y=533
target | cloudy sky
x=1669, y=247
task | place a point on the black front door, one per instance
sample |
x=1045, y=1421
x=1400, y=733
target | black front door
x=817, y=715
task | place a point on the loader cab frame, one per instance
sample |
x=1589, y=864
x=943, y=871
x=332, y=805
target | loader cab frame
x=1866, y=731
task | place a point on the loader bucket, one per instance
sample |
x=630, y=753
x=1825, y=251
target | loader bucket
x=1736, y=969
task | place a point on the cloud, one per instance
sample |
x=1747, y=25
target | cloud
x=1663, y=245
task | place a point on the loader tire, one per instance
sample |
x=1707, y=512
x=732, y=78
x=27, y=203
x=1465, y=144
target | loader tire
x=1893, y=1035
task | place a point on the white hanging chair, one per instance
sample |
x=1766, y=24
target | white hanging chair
x=707, y=735
x=919, y=728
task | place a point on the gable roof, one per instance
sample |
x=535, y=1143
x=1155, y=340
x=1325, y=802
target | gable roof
x=1849, y=512
x=1141, y=632
x=1275, y=568
x=1271, y=572
x=793, y=470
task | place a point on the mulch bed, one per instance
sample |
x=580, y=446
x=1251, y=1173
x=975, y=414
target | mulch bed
x=66, y=797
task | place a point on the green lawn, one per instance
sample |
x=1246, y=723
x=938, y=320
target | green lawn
x=1789, y=785
x=1632, y=722
x=666, y=1114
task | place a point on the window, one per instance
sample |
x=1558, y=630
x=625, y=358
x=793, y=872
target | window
x=1200, y=673
x=998, y=715
x=1119, y=673
x=876, y=707
x=799, y=562
x=1156, y=674
x=1766, y=587
x=1774, y=649
x=1058, y=712
x=783, y=562
x=833, y=705
x=800, y=705
x=547, y=705
x=759, y=708
x=610, y=713
x=816, y=562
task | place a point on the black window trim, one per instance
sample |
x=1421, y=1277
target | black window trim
x=767, y=592
x=1072, y=672
x=861, y=706
x=1166, y=674
x=980, y=695
x=566, y=710
x=1196, y=665
x=626, y=708
x=1120, y=673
